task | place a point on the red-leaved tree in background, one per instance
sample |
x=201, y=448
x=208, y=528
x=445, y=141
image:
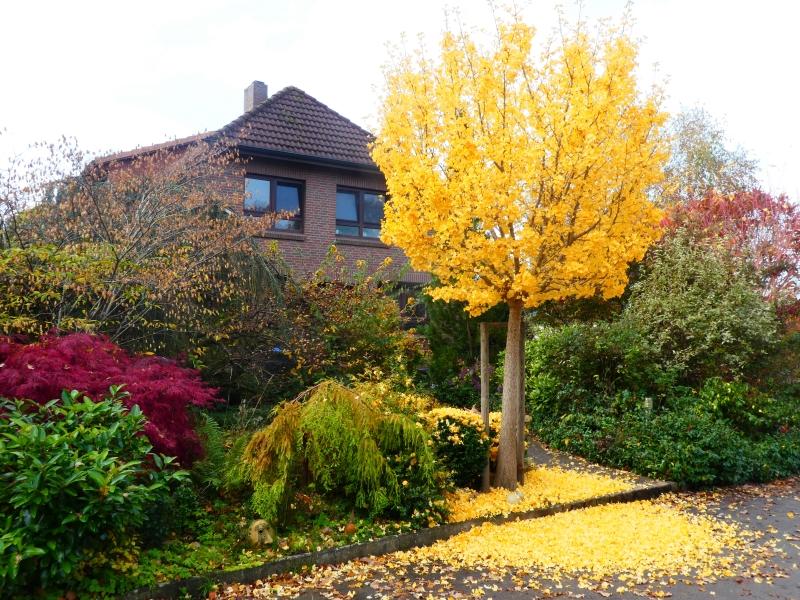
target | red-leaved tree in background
x=761, y=229
x=162, y=389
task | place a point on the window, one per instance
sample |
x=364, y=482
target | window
x=273, y=194
x=359, y=213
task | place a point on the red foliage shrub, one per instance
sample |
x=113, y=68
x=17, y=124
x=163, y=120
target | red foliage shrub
x=762, y=229
x=91, y=364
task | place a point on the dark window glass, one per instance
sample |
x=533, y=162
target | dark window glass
x=256, y=195
x=272, y=194
x=287, y=198
x=373, y=208
x=346, y=207
x=359, y=213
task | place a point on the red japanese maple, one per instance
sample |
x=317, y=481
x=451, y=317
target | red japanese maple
x=762, y=229
x=161, y=388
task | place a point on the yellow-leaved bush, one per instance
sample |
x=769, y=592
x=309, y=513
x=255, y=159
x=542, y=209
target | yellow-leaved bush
x=461, y=442
x=348, y=442
x=520, y=177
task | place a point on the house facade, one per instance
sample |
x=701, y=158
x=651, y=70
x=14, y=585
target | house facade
x=306, y=161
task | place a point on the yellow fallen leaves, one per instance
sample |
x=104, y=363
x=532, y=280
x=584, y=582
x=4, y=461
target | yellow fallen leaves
x=544, y=486
x=635, y=543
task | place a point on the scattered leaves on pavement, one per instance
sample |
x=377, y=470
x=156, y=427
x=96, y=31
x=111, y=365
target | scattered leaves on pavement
x=647, y=548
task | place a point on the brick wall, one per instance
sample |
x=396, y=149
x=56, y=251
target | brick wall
x=305, y=251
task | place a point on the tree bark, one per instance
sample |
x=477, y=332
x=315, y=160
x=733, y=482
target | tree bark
x=506, y=475
x=486, y=475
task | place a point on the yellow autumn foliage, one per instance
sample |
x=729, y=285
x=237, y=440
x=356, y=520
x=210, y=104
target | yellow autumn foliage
x=521, y=176
x=454, y=419
x=544, y=486
x=638, y=542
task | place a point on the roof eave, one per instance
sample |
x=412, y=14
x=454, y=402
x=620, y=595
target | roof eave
x=306, y=159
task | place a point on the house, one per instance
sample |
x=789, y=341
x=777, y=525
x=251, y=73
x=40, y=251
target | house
x=304, y=158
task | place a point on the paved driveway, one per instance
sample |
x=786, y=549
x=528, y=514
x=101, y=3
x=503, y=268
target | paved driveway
x=773, y=510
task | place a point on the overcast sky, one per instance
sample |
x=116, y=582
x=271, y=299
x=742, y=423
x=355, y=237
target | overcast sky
x=117, y=75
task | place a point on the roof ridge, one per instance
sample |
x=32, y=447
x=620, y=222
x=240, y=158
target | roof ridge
x=280, y=93
x=243, y=117
x=297, y=124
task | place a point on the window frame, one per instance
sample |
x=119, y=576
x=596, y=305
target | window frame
x=274, y=181
x=361, y=224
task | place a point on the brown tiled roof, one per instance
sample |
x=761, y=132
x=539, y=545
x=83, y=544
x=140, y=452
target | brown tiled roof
x=155, y=147
x=289, y=123
x=293, y=123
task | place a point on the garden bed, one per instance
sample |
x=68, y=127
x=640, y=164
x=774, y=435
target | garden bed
x=554, y=495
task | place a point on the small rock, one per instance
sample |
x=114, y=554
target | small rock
x=260, y=533
x=515, y=497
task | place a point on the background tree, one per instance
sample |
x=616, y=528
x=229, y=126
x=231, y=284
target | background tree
x=151, y=251
x=519, y=179
x=702, y=161
x=761, y=230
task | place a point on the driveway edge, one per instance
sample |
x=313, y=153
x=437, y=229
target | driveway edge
x=385, y=545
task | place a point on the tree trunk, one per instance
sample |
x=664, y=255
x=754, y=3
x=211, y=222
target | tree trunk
x=506, y=475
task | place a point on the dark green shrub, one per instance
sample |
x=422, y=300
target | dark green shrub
x=76, y=478
x=690, y=447
x=420, y=501
x=577, y=368
x=779, y=374
x=777, y=456
x=460, y=442
x=461, y=390
x=175, y=513
x=743, y=406
x=453, y=339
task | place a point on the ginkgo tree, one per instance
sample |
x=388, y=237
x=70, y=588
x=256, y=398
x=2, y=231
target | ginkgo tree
x=518, y=176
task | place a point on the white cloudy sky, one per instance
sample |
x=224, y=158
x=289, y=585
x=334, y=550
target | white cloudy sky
x=116, y=75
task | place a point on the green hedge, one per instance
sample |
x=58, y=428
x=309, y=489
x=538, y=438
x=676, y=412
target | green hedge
x=692, y=449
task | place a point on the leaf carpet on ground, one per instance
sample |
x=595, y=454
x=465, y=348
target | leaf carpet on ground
x=544, y=486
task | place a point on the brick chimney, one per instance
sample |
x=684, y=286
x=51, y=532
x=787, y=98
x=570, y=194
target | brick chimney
x=254, y=95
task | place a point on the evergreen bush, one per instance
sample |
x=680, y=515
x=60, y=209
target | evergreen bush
x=349, y=443
x=76, y=479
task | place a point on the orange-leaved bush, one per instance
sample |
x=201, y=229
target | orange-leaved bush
x=163, y=390
x=518, y=179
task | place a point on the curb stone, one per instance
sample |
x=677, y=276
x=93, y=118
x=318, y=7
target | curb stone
x=405, y=541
